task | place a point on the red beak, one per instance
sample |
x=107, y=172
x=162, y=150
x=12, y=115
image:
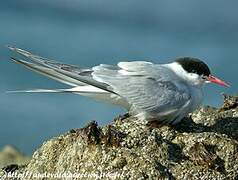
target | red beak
x=215, y=80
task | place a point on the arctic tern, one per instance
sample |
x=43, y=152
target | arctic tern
x=154, y=92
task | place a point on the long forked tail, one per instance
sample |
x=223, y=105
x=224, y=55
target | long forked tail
x=78, y=90
x=41, y=91
x=88, y=91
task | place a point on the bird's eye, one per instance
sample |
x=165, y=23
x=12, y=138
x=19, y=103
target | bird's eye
x=203, y=76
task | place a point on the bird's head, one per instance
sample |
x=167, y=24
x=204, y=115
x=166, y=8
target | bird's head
x=196, y=72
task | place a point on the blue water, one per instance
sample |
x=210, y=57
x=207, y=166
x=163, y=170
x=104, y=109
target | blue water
x=87, y=33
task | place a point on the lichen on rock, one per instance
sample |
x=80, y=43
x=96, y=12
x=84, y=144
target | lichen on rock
x=202, y=146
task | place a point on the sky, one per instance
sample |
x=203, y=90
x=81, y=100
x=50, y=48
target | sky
x=87, y=33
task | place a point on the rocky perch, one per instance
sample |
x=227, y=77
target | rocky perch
x=10, y=156
x=202, y=146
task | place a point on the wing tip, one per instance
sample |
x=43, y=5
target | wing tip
x=19, y=51
x=16, y=60
x=13, y=48
x=10, y=47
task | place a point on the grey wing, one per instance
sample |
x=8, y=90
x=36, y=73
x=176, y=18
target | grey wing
x=146, y=86
x=68, y=74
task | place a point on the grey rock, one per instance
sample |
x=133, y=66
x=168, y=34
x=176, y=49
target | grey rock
x=202, y=146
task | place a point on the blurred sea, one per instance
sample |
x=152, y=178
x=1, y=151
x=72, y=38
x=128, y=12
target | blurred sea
x=87, y=33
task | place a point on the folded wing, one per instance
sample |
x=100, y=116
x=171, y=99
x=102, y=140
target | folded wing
x=146, y=86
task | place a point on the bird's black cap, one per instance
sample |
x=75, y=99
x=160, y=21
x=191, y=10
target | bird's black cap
x=194, y=65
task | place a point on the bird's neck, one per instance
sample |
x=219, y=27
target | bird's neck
x=189, y=78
